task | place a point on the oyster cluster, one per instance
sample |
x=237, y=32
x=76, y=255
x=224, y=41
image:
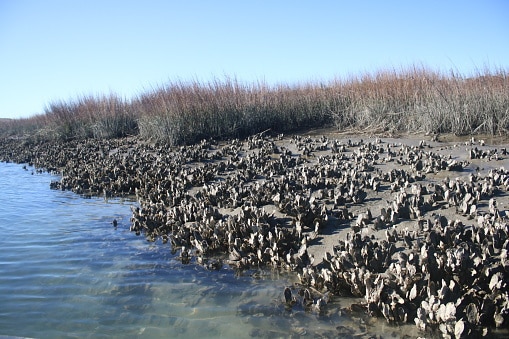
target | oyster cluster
x=272, y=201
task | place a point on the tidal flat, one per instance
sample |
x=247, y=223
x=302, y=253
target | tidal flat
x=409, y=229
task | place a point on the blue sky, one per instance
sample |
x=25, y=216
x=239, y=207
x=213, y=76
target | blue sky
x=59, y=50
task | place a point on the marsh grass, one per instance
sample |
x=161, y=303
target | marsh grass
x=415, y=99
x=186, y=112
x=90, y=116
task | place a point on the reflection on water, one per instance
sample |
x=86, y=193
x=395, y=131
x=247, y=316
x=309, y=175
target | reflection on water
x=65, y=271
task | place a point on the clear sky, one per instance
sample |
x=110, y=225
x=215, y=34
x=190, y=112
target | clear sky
x=54, y=50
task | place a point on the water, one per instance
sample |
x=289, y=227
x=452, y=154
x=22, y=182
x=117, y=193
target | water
x=66, y=272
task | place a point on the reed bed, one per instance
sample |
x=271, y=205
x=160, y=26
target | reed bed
x=187, y=112
x=411, y=100
x=91, y=117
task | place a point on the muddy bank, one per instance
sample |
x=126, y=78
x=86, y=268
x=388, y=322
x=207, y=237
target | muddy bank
x=417, y=227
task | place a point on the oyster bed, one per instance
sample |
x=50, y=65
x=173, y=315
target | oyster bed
x=414, y=226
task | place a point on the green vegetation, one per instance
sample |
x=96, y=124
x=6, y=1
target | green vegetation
x=410, y=100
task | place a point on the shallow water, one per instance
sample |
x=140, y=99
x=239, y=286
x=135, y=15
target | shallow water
x=66, y=272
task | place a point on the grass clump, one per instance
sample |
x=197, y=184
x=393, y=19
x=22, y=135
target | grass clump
x=90, y=117
x=187, y=112
x=420, y=100
x=415, y=99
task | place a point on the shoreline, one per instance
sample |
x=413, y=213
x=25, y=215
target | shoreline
x=318, y=204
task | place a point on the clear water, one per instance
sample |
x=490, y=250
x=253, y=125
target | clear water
x=66, y=272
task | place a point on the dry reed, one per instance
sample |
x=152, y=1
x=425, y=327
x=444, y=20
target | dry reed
x=409, y=100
